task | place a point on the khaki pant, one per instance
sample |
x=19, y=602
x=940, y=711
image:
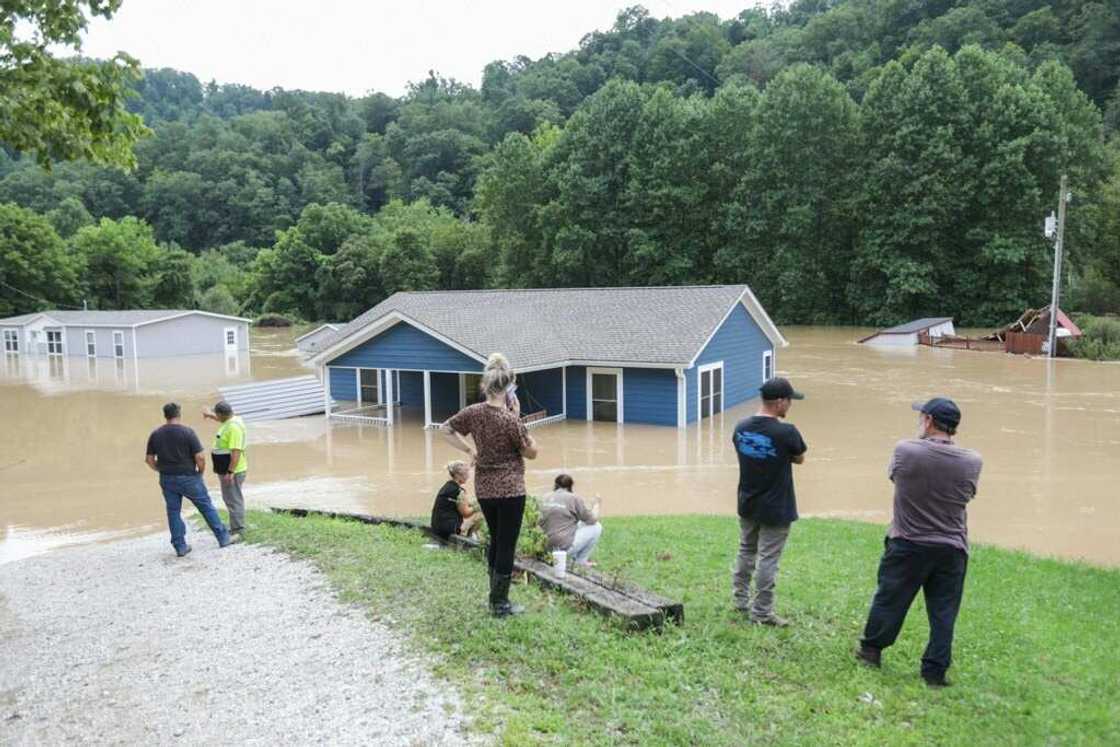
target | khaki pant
x=760, y=549
x=234, y=500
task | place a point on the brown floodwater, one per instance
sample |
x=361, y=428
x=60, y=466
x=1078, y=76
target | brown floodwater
x=73, y=434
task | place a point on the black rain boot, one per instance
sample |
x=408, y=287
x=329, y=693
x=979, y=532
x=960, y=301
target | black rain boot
x=499, y=597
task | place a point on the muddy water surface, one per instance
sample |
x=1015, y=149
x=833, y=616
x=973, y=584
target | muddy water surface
x=72, y=438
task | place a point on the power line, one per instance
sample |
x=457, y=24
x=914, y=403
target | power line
x=40, y=300
x=690, y=62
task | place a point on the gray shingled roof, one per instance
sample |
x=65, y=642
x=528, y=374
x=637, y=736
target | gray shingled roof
x=665, y=325
x=916, y=326
x=114, y=318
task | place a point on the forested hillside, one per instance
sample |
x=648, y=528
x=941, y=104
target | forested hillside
x=854, y=161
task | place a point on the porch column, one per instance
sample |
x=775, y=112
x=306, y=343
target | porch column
x=427, y=398
x=389, y=396
x=327, y=391
x=682, y=403
x=564, y=390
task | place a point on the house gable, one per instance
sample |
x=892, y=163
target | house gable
x=403, y=346
x=740, y=343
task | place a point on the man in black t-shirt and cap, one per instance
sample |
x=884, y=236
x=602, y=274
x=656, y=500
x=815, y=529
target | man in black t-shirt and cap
x=175, y=452
x=767, y=449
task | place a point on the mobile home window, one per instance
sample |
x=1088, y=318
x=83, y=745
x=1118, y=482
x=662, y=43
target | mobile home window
x=118, y=344
x=91, y=343
x=54, y=342
x=11, y=341
x=768, y=365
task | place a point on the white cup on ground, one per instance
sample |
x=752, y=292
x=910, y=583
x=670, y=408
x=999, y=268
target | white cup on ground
x=560, y=562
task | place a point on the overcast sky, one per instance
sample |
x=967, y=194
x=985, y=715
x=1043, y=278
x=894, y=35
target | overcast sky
x=355, y=46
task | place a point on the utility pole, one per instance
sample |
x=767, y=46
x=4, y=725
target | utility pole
x=1056, y=291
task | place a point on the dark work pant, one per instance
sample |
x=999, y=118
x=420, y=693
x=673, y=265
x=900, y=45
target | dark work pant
x=503, y=517
x=938, y=570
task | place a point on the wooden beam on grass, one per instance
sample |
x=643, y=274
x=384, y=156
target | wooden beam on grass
x=638, y=608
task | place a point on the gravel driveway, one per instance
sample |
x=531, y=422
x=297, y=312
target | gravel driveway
x=125, y=643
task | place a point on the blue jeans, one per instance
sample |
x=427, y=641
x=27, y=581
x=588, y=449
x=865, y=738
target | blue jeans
x=587, y=536
x=175, y=489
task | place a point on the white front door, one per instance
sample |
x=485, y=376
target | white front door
x=231, y=339
x=604, y=394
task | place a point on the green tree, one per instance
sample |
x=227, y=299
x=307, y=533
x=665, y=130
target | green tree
x=172, y=284
x=63, y=109
x=350, y=279
x=325, y=227
x=119, y=258
x=464, y=255
x=34, y=264
x=69, y=216
x=285, y=276
x=407, y=264
x=790, y=218
x=219, y=300
x=512, y=191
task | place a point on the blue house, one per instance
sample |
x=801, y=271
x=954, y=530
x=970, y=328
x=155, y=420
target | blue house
x=668, y=356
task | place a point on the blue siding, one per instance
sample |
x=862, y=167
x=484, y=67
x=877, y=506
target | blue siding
x=739, y=343
x=412, y=389
x=344, y=384
x=404, y=346
x=546, y=388
x=445, y=396
x=577, y=393
x=649, y=395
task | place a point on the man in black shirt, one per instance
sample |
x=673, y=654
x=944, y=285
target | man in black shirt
x=767, y=449
x=175, y=452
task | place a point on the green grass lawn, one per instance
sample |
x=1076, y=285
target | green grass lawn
x=1036, y=660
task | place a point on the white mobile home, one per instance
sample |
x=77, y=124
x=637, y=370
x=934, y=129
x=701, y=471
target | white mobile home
x=309, y=342
x=149, y=333
x=907, y=334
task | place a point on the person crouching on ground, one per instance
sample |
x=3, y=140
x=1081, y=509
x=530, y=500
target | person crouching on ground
x=927, y=543
x=569, y=523
x=452, y=513
x=767, y=449
x=230, y=462
x=175, y=452
x=501, y=446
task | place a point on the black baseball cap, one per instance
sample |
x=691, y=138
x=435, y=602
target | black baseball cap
x=941, y=409
x=779, y=388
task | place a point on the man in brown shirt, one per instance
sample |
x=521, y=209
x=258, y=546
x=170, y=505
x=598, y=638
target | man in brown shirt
x=927, y=543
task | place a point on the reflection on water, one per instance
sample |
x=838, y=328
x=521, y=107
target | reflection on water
x=57, y=374
x=1048, y=430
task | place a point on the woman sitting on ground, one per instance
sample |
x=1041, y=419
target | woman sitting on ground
x=452, y=512
x=569, y=523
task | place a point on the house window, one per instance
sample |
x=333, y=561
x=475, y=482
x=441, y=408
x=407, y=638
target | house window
x=369, y=389
x=118, y=344
x=11, y=341
x=91, y=343
x=711, y=389
x=231, y=338
x=768, y=365
x=54, y=342
x=604, y=394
